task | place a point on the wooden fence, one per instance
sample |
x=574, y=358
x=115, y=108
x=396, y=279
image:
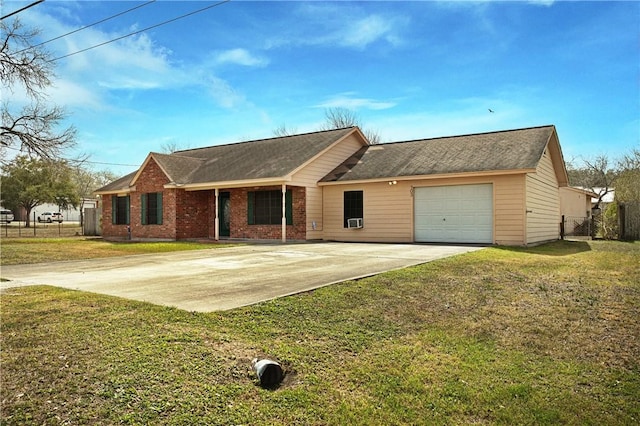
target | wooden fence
x=629, y=220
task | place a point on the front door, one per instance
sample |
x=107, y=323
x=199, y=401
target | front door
x=224, y=214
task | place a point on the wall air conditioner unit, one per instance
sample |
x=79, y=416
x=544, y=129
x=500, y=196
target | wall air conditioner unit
x=354, y=223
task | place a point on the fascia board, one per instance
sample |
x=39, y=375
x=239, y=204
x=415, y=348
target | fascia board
x=432, y=177
x=231, y=184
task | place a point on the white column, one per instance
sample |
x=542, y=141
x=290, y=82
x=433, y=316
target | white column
x=284, y=212
x=216, y=221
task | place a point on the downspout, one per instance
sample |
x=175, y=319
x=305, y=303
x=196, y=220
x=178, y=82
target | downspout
x=284, y=213
x=216, y=221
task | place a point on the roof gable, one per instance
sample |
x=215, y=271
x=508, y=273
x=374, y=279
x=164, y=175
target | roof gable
x=120, y=185
x=261, y=159
x=508, y=150
x=273, y=158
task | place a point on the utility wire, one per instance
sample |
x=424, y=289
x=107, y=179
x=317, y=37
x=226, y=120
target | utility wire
x=107, y=164
x=87, y=26
x=22, y=9
x=142, y=30
x=71, y=160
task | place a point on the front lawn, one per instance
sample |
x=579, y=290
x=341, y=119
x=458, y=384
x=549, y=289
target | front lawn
x=36, y=250
x=547, y=335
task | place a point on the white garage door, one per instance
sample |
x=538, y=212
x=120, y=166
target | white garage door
x=454, y=214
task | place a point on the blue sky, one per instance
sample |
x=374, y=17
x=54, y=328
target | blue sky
x=410, y=70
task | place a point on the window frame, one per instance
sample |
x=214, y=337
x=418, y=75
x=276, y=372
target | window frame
x=273, y=203
x=120, y=206
x=352, y=205
x=151, y=208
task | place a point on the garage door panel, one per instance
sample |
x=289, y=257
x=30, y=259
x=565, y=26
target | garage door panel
x=457, y=214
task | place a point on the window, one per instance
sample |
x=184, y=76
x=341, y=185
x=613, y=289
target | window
x=151, y=208
x=353, y=201
x=265, y=207
x=120, y=210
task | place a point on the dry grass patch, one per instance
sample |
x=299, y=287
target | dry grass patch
x=548, y=335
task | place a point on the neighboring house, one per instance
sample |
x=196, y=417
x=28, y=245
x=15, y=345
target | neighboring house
x=69, y=215
x=491, y=188
x=575, y=208
x=576, y=202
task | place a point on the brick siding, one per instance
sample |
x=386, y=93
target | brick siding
x=239, y=223
x=194, y=210
x=191, y=214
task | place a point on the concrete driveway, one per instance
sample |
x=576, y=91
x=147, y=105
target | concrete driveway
x=227, y=277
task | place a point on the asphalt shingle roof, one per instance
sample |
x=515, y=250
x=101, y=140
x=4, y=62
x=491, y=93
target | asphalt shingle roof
x=496, y=151
x=121, y=184
x=519, y=149
x=259, y=159
x=266, y=158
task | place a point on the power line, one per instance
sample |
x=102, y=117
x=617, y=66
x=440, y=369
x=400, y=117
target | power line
x=22, y=9
x=88, y=26
x=103, y=163
x=142, y=30
x=78, y=161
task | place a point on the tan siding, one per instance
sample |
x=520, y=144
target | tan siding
x=543, y=203
x=388, y=209
x=509, y=220
x=316, y=170
x=574, y=203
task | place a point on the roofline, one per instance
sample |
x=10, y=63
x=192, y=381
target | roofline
x=432, y=177
x=558, y=159
x=116, y=191
x=580, y=190
x=230, y=184
x=471, y=134
x=144, y=164
x=260, y=140
x=355, y=130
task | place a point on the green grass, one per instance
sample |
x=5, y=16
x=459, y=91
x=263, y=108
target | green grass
x=37, y=250
x=547, y=335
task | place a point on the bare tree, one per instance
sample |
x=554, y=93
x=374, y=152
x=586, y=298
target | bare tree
x=595, y=175
x=171, y=147
x=30, y=128
x=86, y=181
x=338, y=118
x=282, y=130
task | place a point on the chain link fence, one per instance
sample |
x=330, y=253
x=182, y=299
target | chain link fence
x=576, y=226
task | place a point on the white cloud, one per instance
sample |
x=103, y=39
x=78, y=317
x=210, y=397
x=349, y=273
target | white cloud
x=366, y=31
x=349, y=101
x=240, y=57
x=327, y=24
x=70, y=93
x=224, y=94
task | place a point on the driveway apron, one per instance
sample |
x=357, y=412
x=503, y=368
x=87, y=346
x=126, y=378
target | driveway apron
x=228, y=277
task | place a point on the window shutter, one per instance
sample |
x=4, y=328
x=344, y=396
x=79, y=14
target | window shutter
x=114, y=209
x=143, y=209
x=250, y=204
x=128, y=204
x=288, y=199
x=159, y=204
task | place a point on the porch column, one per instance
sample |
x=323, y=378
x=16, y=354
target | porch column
x=284, y=212
x=216, y=221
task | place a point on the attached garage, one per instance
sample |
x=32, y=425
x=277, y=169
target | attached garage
x=454, y=214
x=487, y=188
